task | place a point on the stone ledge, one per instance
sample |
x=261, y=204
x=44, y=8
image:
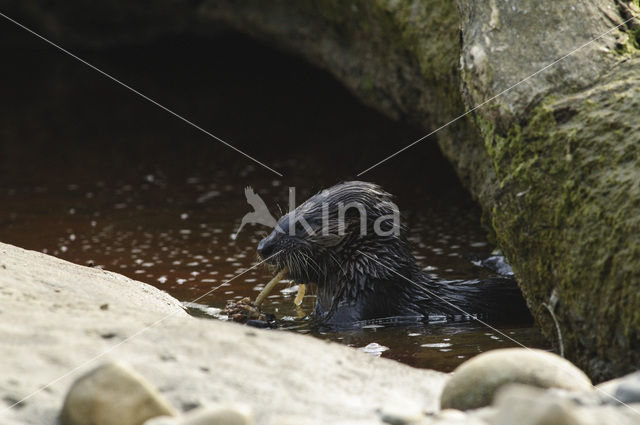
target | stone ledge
x=51, y=322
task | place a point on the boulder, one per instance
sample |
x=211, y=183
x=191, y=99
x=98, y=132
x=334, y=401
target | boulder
x=565, y=149
x=475, y=382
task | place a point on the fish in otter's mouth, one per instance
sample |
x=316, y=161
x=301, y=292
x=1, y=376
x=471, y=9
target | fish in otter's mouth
x=348, y=242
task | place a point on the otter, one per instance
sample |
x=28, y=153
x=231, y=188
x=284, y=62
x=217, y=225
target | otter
x=348, y=242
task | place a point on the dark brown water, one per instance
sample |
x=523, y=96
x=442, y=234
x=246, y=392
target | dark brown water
x=93, y=174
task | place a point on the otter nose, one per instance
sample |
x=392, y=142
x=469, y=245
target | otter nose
x=266, y=247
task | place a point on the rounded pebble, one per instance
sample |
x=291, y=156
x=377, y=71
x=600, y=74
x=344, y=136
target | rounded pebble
x=475, y=382
x=112, y=394
x=218, y=415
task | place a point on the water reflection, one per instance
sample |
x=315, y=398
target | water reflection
x=96, y=176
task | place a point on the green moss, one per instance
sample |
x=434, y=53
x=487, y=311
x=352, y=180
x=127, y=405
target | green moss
x=630, y=45
x=367, y=83
x=634, y=35
x=568, y=217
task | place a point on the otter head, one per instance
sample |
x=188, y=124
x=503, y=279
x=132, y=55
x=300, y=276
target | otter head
x=332, y=238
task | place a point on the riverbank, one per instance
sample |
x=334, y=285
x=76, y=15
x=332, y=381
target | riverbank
x=57, y=317
x=100, y=343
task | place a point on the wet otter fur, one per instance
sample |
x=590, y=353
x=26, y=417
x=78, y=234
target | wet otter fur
x=363, y=274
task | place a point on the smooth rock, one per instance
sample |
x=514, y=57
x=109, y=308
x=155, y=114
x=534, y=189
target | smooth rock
x=600, y=415
x=452, y=414
x=621, y=390
x=218, y=415
x=401, y=415
x=481, y=415
x=112, y=394
x=163, y=420
x=292, y=420
x=9, y=421
x=452, y=417
x=525, y=405
x=221, y=414
x=475, y=382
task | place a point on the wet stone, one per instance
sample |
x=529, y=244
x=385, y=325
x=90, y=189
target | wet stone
x=112, y=394
x=261, y=324
x=475, y=382
x=400, y=414
x=292, y=420
x=625, y=389
x=210, y=415
x=525, y=405
x=163, y=420
x=453, y=417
